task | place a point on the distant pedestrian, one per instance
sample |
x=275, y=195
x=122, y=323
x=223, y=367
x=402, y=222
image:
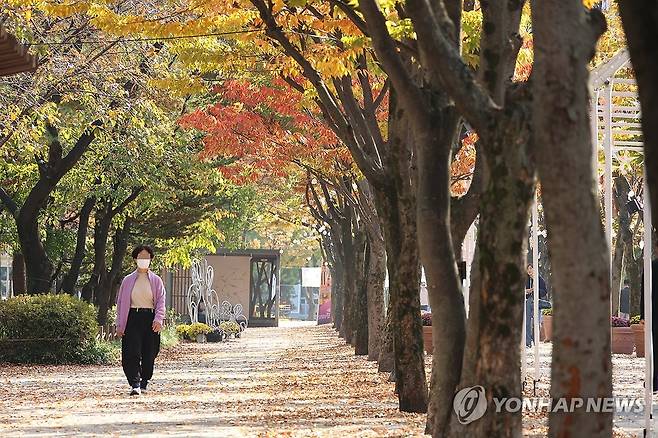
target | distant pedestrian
x=140, y=313
x=529, y=303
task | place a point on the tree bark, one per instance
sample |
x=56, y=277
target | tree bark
x=386, y=360
x=103, y=221
x=396, y=208
x=107, y=288
x=640, y=21
x=375, y=296
x=624, y=236
x=361, y=296
x=18, y=273
x=71, y=278
x=493, y=358
x=565, y=36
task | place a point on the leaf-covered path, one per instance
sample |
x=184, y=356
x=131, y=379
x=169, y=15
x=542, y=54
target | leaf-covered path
x=300, y=381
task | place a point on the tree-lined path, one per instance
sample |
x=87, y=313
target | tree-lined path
x=292, y=381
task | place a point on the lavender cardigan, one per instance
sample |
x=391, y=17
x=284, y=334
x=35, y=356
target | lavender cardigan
x=126, y=289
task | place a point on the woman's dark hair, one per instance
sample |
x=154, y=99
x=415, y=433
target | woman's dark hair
x=141, y=248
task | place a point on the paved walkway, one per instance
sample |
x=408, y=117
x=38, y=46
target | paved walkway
x=292, y=381
x=289, y=381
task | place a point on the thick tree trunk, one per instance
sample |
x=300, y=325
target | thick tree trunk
x=640, y=21
x=107, y=288
x=38, y=267
x=565, y=37
x=71, y=278
x=103, y=221
x=397, y=211
x=361, y=296
x=18, y=273
x=443, y=286
x=624, y=235
x=375, y=296
x=386, y=360
x=501, y=242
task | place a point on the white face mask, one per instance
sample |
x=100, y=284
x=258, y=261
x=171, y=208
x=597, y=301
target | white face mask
x=143, y=263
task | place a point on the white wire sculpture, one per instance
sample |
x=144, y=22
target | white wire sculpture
x=201, y=291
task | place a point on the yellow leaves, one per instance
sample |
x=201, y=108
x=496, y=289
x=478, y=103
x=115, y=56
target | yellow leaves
x=589, y=4
x=178, y=86
x=65, y=9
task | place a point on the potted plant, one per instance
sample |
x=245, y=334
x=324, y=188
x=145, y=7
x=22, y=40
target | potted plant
x=622, y=336
x=182, y=330
x=199, y=331
x=637, y=326
x=427, y=332
x=230, y=328
x=547, y=323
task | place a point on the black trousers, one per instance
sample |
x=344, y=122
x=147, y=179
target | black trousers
x=139, y=348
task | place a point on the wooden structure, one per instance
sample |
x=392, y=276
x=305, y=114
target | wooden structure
x=14, y=57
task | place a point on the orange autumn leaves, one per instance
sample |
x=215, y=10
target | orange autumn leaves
x=263, y=129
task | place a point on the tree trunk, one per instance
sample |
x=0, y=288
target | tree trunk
x=433, y=148
x=71, y=278
x=18, y=273
x=633, y=271
x=493, y=359
x=624, y=235
x=38, y=267
x=386, y=360
x=640, y=21
x=397, y=211
x=103, y=221
x=361, y=296
x=565, y=37
x=375, y=296
x=106, y=290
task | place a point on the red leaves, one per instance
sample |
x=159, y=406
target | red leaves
x=264, y=128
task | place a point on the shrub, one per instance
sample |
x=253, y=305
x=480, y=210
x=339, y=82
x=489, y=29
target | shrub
x=198, y=328
x=99, y=352
x=427, y=319
x=51, y=329
x=169, y=336
x=620, y=322
x=635, y=319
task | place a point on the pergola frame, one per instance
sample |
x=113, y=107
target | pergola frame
x=610, y=124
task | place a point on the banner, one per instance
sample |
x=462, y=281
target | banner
x=324, y=300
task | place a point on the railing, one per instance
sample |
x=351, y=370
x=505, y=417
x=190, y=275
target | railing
x=108, y=332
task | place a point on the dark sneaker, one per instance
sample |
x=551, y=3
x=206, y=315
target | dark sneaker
x=136, y=391
x=143, y=385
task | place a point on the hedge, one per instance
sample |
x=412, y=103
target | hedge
x=49, y=329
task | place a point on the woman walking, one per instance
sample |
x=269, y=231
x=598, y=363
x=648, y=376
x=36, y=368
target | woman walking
x=140, y=312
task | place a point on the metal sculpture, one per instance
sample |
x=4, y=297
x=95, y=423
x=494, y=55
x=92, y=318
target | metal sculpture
x=201, y=294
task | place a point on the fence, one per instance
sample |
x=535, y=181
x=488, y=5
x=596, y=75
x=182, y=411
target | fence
x=108, y=332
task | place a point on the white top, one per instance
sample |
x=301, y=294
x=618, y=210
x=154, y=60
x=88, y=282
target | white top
x=142, y=295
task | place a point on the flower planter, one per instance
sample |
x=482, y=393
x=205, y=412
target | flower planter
x=427, y=339
x=622, y=340
x=638, y=336
x=201, y=339
x=547, y=325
